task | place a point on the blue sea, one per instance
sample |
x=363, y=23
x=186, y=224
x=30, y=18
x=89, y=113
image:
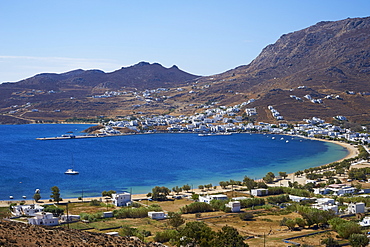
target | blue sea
x=137, y=163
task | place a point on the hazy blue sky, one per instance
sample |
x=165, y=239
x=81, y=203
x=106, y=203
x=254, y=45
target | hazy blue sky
x=203, y=37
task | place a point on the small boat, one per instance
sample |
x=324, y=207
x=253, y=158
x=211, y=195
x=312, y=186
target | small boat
x=71, y=172
x=11, y=197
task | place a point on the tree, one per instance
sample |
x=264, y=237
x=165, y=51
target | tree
x=186, y=187
x=300, y=222
x=177, y=189
x=55, y=194
x=37, y=196
x=290, y=223
x=54, y=210
x=348, y=228
x=249, y=183
x=223, y=184
x=246, y=216
x=283, y=174
x=175, y=220
x=228, y=237
x=201, y=187
x=108, y=193
x=339, y=170
x=269, y=178
x=160, y=193
x=329, y=174
x=358, y=240
x=208, y=186
x=330, y=242
x=196, y=233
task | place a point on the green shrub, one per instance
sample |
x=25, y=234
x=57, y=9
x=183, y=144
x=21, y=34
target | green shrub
x=165, y=236
x=196, y=207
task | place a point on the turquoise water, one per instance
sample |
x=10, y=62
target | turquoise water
x=137, y=163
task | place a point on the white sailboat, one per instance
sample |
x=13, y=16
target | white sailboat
x=71, y=171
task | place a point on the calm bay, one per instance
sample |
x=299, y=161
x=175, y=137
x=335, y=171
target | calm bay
x=139, y=162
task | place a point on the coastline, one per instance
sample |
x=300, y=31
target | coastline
x=352, y=152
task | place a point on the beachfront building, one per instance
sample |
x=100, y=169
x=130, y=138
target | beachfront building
x=209, y=198
x=234, y=206
x=27, y=210
x=335, y=189
x=44, y=218
x=121, y=200
x=259, y=192
x=157, y=215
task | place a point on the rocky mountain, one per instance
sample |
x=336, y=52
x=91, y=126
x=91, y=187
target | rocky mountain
x=320, y=71
x=141, y=76
x=329, y=58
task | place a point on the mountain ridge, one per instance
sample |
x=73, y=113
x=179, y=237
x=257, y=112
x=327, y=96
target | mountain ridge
x=329, y=61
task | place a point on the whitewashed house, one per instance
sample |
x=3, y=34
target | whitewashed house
x=355, y=208
x=44, y=218
x=108, y=214
x=209, y=198
x=259, y=192
x=234, y=206
x=70, y=218
x=121, y=200
x=298, y=198
x=28, y=210
x=326, y=207
x=365, y=221
x=325, y=201
x=156, y=215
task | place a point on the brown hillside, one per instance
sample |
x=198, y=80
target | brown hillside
x=331, y=60
x=19, y=234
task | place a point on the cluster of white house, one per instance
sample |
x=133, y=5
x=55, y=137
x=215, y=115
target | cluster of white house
x=325, y=203
x=37, y=216
x=225, y=119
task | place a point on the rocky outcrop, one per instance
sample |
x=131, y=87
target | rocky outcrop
x=19, y=234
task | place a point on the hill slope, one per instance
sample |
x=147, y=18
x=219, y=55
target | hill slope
x=320, y=71
x=326, y=58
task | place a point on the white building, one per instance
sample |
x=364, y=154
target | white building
x=355, y=208
x=365, y=221
x=156, y=215
x=120, y=200
x=259, y=192
x=28, y=210
x=44, y=218
x=70, y=218
x=326, y=207
x=209, y=198
x=234, y=206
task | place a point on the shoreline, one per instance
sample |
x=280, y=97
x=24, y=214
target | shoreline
x=352, y=152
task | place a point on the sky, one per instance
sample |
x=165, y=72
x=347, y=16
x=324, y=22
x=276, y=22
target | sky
x=202, y=37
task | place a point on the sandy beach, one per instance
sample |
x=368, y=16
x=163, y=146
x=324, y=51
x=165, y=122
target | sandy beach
x=353, y=152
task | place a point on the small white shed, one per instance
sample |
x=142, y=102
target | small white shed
x=156, y=215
